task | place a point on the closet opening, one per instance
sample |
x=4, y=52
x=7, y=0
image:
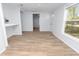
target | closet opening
x=36, y=22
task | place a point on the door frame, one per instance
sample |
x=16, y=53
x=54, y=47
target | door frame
x=39, y=19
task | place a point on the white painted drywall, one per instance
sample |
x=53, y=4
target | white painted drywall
x=51, y=22
x=44, y=21
x=36, y=20
x=27, y=21
x=12, y=12
x=3, y=37
x=57, y=29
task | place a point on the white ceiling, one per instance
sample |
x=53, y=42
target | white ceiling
x=40, y=7
x=37, y=7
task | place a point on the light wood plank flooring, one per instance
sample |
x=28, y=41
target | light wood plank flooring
x=37, y=44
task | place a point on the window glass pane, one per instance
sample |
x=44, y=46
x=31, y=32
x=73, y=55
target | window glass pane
x=72, y=21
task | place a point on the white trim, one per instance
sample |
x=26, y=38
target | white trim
x=64, y=24
x=67, y=39
x=67, y=35
x=76, y=49
x=72, y=37
x=3, y=26
x=33, y=19
x=69, y=5
x=3, y=50
x=65, y=13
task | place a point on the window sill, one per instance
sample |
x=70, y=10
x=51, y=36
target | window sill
x=72, y=37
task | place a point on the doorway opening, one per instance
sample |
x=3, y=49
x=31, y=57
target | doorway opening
x=36, y=22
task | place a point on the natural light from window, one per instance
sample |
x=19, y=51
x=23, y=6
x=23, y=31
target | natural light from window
x=72, y=21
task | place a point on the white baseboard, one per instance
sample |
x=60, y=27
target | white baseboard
x=2, y=50
x=74, y=45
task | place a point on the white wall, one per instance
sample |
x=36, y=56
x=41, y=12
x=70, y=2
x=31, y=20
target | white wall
x=58, y=22
x=36, y=20
x=44, y=21
x=12, y=12
x=3, y=37
x=27, y=21
x=51, y=22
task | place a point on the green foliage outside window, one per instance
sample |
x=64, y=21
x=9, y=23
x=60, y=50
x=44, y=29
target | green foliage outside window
x=72, y=24
x=71, y=13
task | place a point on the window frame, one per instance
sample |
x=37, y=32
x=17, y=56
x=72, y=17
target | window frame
x=64, y=23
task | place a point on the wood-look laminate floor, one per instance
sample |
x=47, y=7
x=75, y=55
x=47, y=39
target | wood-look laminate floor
x=37, y=44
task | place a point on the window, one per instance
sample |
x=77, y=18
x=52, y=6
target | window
x=72, y=20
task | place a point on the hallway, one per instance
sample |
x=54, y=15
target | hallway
x=38, y=44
